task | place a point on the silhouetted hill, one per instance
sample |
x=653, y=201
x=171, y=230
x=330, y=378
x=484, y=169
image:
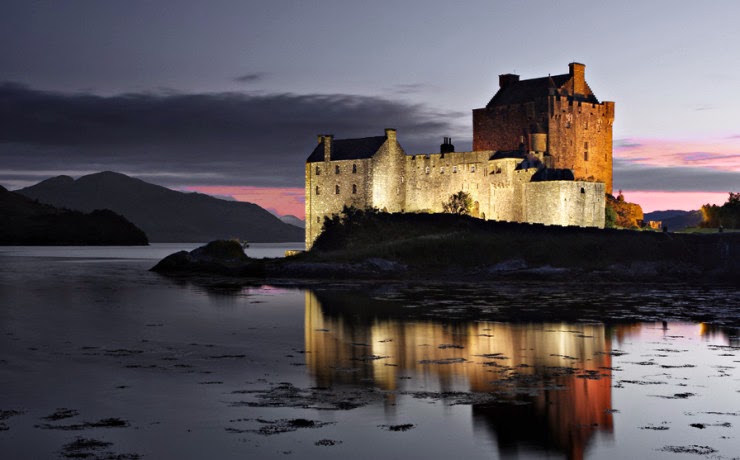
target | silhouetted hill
x=26, y=222
x=293, y=220
x=675, y=219
x=164, y=214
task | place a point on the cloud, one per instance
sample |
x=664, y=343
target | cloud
x=722, y=154
x=630, y=176
x=179, y=139
x=250, y=77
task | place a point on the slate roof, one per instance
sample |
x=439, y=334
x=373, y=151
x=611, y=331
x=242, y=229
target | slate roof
x=548, y=174
x=501, y=154
x=528, y=90
x=348, y=149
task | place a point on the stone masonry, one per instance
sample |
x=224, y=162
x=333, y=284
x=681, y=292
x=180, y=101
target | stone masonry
x=541, y=154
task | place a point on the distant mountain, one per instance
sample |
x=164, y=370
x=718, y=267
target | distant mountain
x=675, y=219
x=26, y=222
x=293, y=220
x=165, y=215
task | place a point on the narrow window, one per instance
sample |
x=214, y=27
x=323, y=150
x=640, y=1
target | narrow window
x=336, y=169
x=318, y=219
x=354, y=169
x=318, y=170
x=454, y=169
x=585, y=155
x=426, y=170
x=354, y=189
x=318, y=191
x=442, y=170
x=336, y=189
x=472, y=168
x=583, y=190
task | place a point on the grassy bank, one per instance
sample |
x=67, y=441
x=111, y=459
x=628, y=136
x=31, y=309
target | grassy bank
x=445, y=243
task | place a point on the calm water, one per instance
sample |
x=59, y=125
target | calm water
x=99, y=356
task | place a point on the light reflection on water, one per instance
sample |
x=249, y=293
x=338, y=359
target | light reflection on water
x=481, y=371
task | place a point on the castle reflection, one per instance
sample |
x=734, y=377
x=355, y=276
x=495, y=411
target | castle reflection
x=547, y=386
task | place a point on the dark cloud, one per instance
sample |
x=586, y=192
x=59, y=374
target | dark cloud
x=673, y=178
x=626, y=143
x=196, y=139
x=250, y=77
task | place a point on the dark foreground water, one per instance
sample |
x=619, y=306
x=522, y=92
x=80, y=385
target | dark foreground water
x=100, y=358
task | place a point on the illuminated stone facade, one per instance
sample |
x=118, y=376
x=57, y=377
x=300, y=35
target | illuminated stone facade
x=542, y=154
x=559, y=110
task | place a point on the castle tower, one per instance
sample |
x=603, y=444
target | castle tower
x=577, y=127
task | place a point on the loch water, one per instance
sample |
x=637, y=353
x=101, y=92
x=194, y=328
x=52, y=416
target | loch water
x=101, y=358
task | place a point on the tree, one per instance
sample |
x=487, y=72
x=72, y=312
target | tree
x=727, y=215
x=459, y=203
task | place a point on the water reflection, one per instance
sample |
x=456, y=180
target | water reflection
x=547, y=386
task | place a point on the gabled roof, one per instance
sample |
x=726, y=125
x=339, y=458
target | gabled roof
x=348, y=149
x=523, y=91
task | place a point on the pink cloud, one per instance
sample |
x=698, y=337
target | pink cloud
x=655, y=200
x=718, y=154
x=283, y=200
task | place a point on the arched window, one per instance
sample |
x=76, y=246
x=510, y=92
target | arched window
x=354, y=169
x=583, y=190
x=336, y=189
x=354, y=189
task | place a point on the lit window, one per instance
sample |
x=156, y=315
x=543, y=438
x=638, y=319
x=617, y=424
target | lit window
x=354, y=169
x=336, y=189
x=354, y=189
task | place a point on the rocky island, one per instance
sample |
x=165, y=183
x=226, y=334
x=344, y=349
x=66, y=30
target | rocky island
x=376, y=245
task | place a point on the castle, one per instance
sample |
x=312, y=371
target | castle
x=542, y=153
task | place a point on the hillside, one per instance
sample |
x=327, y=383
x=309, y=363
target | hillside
x=675, y=220
x=165, y=215
x=26, y=222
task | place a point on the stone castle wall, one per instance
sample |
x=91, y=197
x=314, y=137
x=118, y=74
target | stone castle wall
x=575, y=203
x=432, y=178
x=580, y=139
x=331, y=185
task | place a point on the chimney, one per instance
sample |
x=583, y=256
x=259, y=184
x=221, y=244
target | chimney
x=328, y=141
x=390, y=134
x=446, y=146
x=578, y=75
x=507, y=79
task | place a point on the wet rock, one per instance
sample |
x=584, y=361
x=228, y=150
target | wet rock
x=61, y=414
x=220, y=257
x=327, y=442
x=402, y=427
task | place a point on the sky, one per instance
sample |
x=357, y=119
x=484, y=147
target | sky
x=227, y=97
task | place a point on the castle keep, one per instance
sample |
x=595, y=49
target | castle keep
x=542, y=153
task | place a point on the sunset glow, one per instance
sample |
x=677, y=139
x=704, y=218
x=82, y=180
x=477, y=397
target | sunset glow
x=284, y=200
x=657, y=200
x=718, y=154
